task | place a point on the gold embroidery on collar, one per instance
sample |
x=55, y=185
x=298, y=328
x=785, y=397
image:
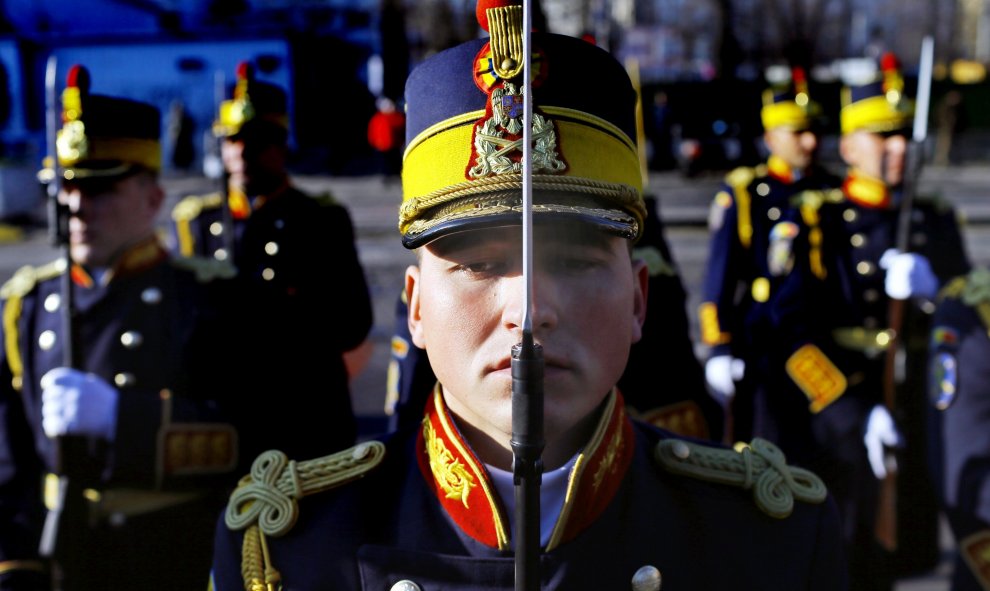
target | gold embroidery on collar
x=452, y=476
x=607, y=465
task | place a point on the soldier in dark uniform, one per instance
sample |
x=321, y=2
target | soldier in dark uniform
x=145, y=381
x=622, y=502
x=665, y=348
x=837, y=326
x=751, y=227
x=304, y=292
x=959, y=413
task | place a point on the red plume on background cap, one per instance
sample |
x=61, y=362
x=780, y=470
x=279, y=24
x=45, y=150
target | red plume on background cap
x=801, y=96
x=252, y=101
x=875, y=101
x=787, y=102
x=893, y=82
x=76, y=85
x=102, y=135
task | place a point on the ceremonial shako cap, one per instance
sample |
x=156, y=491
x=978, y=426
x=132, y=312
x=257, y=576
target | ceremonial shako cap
x=254, y=103
x=787, y=102
x=464, y=124
x=103, y=135
x=877, y=104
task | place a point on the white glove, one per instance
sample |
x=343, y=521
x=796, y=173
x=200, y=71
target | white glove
x=722, y=372
x=881, y=432
x=78, y=403
x=908, y=275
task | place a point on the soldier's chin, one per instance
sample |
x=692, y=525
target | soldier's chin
x=81, y=254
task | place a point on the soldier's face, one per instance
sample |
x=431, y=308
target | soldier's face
x=466, y=301
x=255, y=167
x=877, y=155
x=108, y=216
x=796, y=148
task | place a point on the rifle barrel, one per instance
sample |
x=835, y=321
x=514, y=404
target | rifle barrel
x=527, y=367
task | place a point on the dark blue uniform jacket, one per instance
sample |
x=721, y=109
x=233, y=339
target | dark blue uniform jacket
x=428, y=514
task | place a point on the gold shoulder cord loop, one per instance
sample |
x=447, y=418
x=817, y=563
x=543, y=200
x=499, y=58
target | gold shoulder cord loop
x=809, y=212
x=265, y=502
x=739, y=180
x=975, y=292
x=759, y=465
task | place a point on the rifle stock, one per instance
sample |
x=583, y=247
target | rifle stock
x=885, y=529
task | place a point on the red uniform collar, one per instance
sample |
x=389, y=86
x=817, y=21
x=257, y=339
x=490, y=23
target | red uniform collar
x=780, y=170
x=241, y=206
x=866, y=191
x=136, y=259
x=463, y=487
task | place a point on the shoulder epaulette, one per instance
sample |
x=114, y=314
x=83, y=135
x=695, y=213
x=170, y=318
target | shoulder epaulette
x=738, y=181
x=13, y=292
x=190, y=207
x=265, y=502
x=815, y=198
x=25, y=278
x=325, y=199
x=655, y=261
x=973, y=288
x=759, y=466
x=953, y=289
x=268, y=496
x=741, y=176
x=206, y=269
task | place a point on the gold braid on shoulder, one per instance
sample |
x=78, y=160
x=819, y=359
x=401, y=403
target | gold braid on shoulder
x=265, y=502
x=759, y=465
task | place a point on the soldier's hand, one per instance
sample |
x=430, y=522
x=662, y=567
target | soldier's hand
x=721, y=373
x=78, y=403
x=909, y=274
x=881, y=434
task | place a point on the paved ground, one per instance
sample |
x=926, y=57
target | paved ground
x=373, y=205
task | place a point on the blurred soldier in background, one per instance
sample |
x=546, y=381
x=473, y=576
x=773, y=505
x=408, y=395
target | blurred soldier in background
x=837, y=326
x=432, y=507
x=136, y=371
x=304, y=294
x=959, y=412
x=751, y=231
x=386, y=134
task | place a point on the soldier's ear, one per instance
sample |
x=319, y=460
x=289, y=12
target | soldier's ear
x=414, y=319
x=641, y=289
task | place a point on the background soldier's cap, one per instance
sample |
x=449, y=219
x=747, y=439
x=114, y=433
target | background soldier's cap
x=462, y=164
x=787, y=102
x=876, y=102
x=103, y=136
x=254, y=104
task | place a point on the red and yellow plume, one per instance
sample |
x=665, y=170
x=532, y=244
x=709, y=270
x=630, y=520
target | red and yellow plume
x=76, y=86
x=893, y=82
